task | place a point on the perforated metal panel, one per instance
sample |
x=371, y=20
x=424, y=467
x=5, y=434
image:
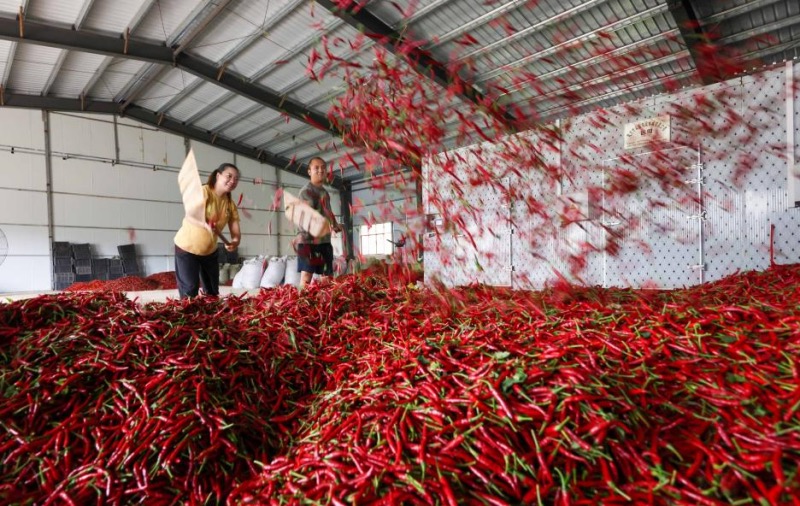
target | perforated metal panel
x=493, y=238
x=477, y=248
x=729, y=188
x=659, y=244
x=739, y=217
x=538, y=244
x=575, y=251
x=432, y=239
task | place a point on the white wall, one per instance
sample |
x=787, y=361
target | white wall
x=114, y=182
x=107, y=204
x=23, y=201
x=680, y=242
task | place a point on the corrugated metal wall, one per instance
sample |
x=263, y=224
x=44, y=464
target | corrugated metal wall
x=712, y=224
x=105, y=204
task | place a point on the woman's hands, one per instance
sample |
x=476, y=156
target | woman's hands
x=232, y=245
x=236, y=236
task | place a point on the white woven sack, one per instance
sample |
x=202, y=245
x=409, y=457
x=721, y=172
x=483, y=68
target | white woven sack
x=291, y=277
x=237, y=279
x=249, y=276
x=273, y=275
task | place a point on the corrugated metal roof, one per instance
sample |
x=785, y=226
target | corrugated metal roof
x=260, y=118
x=115, y=17
x=230, y=109
x=56, y=11
x=239, y=69
x=308, y=140
x=12, y=5
x=289, y=144
x=32, y=65
x=170, y=81
x=164, y=18
x=115, y=78
x=232, y=30
x=7, y=50
x=390, y=12
x=75, y=73
x=197, y=100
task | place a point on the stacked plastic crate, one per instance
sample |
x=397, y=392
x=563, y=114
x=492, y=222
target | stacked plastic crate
x=115, y=268
x=62, y=265
x=100, y=268
x=130, y=264
x=82, y=262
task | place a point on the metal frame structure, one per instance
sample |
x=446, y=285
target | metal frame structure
x=710, y=41
x=697, y=37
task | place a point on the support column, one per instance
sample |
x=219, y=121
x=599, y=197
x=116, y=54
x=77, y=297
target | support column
x=48, y=169
x=346, y=199
x=793, y=184
x=116, y=140
x=276, y=213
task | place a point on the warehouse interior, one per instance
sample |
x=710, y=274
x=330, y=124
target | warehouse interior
x=565, y=275
x=102, y=104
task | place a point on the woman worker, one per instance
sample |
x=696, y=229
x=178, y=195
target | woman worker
x=195, y=248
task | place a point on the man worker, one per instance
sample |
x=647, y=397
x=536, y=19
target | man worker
x=315, y=255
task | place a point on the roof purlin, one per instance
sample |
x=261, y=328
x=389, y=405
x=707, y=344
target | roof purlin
x=64, y=38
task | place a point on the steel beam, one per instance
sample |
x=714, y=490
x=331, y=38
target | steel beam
x=64, y=38
x=159, y=121
x=240, y=47
x=12, y=50
x=695, y=36
x=85, y=8
x=190, y=29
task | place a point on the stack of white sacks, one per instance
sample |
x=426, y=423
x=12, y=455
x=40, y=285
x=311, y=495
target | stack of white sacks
x=227, y=272
x=267, y=272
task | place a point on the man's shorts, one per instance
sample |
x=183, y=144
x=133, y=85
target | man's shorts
x=315, y=258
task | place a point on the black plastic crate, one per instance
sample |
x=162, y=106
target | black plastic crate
x=127, y=250
x=100, y=264
x=62, y=250
x=62, y=286
x=115, y=266
x=83, y=266
x=81, y=251
x=62, y=265
x=100, y=268
x=64, y=279
x=130, y=265
x=83, y=277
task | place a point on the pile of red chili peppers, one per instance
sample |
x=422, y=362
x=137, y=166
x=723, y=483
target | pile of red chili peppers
x=360, y=391
x=158, y=281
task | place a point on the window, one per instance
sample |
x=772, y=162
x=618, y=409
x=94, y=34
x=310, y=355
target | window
x=376, y=239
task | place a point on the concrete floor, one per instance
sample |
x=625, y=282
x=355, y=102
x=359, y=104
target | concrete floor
x=140, y=297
